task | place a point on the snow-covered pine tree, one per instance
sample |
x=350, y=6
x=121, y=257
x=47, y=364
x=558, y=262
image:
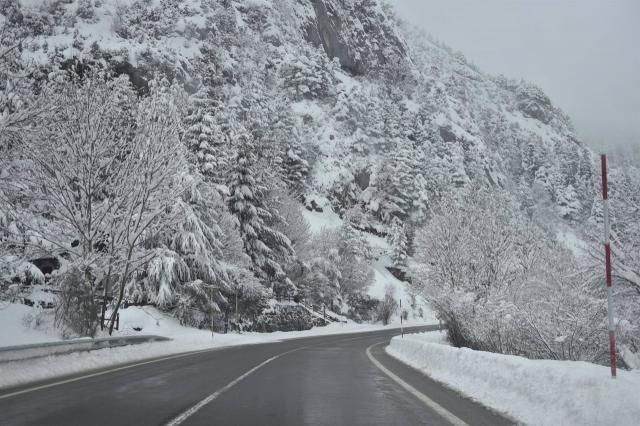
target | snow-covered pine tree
x=296, y=168
x=391, y=125
x=382, y=203
x=205, y=139
x=275, y=135
x=309, y=75
x=355, y=252
x=264, y=245
x=85, y=9
x=398, y=241
x=393, y=189
x=187, y=273
x=319, y=281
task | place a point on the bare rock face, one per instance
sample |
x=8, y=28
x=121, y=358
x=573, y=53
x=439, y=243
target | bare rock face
x=362, y=37
x=532, y=102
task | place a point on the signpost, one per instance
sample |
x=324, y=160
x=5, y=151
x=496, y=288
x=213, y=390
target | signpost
x=607, y=257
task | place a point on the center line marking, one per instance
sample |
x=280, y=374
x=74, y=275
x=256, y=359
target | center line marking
x=443, y=412
x=191, y=411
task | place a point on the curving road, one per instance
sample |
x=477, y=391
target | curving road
x=330, y=380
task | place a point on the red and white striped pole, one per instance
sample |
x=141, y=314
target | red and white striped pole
x=607, y=257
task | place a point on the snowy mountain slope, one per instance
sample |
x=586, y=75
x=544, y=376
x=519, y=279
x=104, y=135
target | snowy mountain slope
x=395, y=88
x=383, y=280
x=359, y=118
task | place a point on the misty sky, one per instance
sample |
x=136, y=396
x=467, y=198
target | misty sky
x=585, y=54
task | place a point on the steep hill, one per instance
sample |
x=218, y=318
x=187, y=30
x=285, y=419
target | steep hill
x=335, y=103
x=366, y=94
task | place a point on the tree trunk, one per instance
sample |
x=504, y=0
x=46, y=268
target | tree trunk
x=121, y=292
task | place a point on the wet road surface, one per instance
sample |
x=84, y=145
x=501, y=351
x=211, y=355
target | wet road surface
x=327, y=380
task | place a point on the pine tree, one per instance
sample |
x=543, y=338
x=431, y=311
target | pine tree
x=187, y=272
x=296, y=168
x=355, y=252
x=393, y=190
x=378, y=200
x=266, y=247
x=309, y=75
x=398, y=241
x=205, y=139
x=85, y=9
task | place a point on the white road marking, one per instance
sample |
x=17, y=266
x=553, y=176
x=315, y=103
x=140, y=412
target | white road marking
x=191, y=411
x=443, y=412
x=100, y=373
x=165, y=358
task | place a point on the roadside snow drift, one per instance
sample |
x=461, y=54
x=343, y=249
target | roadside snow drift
x=535, y=392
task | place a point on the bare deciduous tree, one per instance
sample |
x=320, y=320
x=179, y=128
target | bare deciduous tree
x=98, y=177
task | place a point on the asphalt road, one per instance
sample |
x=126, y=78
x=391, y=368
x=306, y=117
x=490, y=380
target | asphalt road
x=328, y=380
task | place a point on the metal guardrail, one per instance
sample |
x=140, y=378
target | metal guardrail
x=325, y=315
x=15, y=353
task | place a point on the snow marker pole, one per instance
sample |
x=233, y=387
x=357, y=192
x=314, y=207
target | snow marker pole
x=211, y=310
x=607, y=254
x=401, y=327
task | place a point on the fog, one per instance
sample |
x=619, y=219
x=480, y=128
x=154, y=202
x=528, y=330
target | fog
x=585, y=54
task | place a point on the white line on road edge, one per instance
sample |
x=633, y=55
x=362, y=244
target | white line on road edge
x=163, y=358
x=191, y=411
x=100, y=373
x=443, y=412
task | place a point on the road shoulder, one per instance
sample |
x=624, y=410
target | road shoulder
x=463, y=408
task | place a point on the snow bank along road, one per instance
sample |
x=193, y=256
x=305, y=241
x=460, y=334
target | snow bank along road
x=327, y=380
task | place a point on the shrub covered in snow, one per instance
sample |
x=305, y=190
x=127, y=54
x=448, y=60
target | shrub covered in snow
x=387, y=307
x=281, y=318
x=500, y=284
x=77, y=310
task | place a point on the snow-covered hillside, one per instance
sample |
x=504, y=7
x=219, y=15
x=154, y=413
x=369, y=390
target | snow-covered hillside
x=259, y=109
x=391, y=93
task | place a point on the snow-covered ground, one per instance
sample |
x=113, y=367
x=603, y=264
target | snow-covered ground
x=535, y=392
x=151, y=321
x=322, y=220
x=380, y=249
x=383, y=278
x=17, y=325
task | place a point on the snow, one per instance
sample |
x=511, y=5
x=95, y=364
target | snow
x=533, y=126
x=13, y=330
x=347, y=83
x=153, y=321
x=380, y=248
x=101, y=31
x=326, y=219
x=574, y=243
x=536, y=392
x=257, y=3
x=304, y=108
x=383, y=278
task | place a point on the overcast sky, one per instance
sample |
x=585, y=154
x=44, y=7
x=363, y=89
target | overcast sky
x=585, y=54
